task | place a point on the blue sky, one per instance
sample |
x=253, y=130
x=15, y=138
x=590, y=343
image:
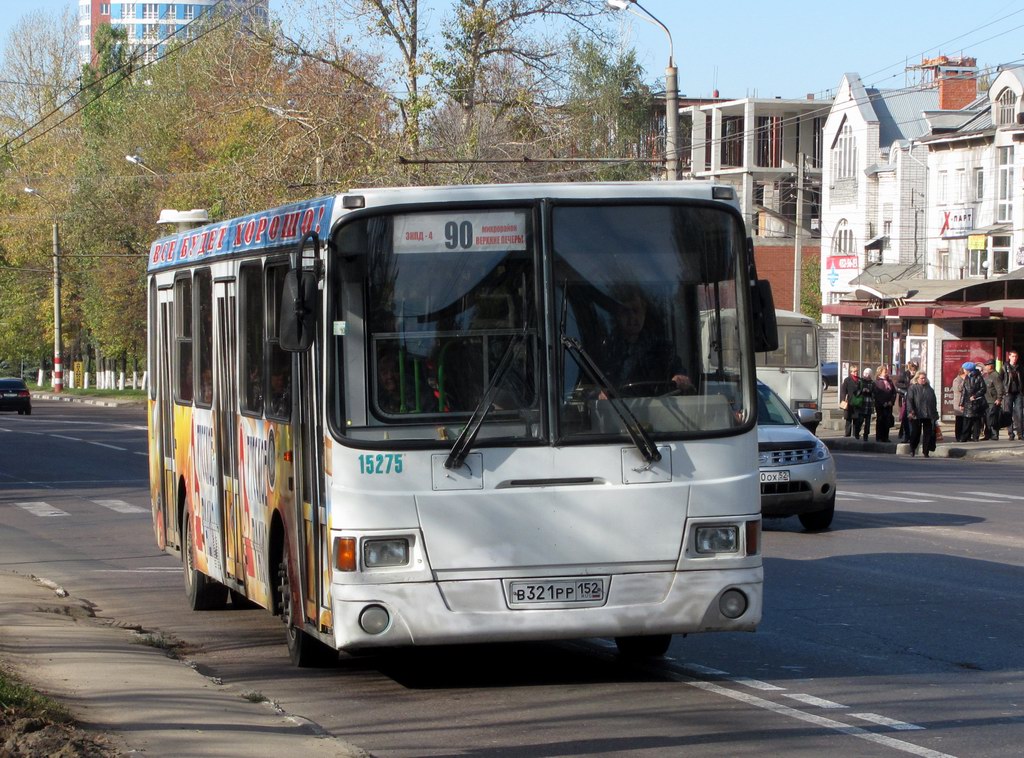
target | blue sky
x=788, y=49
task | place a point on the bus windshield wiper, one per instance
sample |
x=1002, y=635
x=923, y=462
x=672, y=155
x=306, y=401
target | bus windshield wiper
x=462, y=445
x=636, y=432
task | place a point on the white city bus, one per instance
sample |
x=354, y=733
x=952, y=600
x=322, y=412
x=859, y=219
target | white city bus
x=427, y=415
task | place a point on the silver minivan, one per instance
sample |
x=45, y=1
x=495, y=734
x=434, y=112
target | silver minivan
x=798, y=473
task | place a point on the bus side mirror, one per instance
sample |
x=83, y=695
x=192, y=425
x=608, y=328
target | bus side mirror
x=297, y=326
x=766, y=331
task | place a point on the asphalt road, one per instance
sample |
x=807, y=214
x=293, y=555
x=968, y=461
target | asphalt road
x=896, y=632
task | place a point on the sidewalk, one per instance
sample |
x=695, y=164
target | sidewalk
x=1001, y=449
x=143, y=700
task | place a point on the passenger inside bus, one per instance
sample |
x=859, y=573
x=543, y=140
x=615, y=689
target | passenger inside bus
x=280, y=393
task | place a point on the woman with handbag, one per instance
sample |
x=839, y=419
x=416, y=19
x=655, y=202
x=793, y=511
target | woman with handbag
x=885, y=397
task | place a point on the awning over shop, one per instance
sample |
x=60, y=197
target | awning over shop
x=850, y=310
x=875, y=243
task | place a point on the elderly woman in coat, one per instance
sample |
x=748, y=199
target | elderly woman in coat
x=923, y=412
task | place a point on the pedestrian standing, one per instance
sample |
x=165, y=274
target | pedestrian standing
x=923, y=412
x=902, y=385
x=958, y=411
x=867, y=404
x=850, y=400
x=885, y=397
x=994, y=393
x=973, y=402
x=1014, y=401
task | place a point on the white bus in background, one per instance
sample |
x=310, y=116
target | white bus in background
x=794, y=370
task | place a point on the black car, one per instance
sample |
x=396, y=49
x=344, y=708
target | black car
x=14, y=396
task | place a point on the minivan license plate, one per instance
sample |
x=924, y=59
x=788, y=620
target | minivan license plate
x=575, y=592
x=768, y=477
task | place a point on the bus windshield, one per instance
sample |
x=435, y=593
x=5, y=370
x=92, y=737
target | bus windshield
x=647, y=294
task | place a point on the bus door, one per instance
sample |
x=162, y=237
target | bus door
x=307, y=433
x=165, y=415
x=225, y=410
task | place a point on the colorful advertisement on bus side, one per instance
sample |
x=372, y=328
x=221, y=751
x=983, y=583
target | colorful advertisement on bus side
x=272, y=228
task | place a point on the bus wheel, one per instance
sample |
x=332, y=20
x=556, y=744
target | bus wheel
x=303, y=650
x=203, y=593
x=648, y=646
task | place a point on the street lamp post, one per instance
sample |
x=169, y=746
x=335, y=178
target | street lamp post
x=671, y=88
x=58, y=371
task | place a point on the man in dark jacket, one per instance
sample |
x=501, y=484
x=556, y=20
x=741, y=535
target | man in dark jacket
x=994, y=393
x=1014, y=400
x=973, y=402
x=923, y=412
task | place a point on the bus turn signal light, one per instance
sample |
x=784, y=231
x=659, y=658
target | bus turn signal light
x=754, y=537
x=345, y=553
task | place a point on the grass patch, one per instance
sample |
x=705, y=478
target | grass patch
x=255, y=697
x=18, y=700
x=160, y=641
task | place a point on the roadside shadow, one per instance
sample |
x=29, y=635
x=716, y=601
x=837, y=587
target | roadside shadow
x=850, y=520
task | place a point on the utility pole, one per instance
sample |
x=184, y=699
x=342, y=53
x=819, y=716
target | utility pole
x=58, y=371
x=798, y=233
x=58, y=368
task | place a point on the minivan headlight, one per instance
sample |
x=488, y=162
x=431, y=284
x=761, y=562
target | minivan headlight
x=821, y=451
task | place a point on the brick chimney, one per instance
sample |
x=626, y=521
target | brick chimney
x=956, y=78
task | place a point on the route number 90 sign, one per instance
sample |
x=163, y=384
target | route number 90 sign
x=480, y=231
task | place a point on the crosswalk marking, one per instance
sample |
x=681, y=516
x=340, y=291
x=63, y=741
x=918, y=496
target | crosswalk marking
x=893, y=498
x=104, y=444
x=958, y=498
x=995, y=494
x=874, y=718
x=43, y=510
x=120, y=506
x=818, y=702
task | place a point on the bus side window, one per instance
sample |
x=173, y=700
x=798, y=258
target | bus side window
x=203, y=286
x=279, y=362
x=183, y=340
x=251, y=370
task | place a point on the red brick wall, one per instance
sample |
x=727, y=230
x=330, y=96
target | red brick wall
x=775, y=263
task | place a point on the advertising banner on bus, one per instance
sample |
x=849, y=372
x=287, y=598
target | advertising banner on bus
x=274, y=228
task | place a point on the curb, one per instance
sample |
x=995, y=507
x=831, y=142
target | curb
x=991, y=450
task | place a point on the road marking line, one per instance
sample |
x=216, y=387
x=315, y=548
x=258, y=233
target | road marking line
x=821, y=721
x=120, y=506
x=138, y=453
x=892, y=498
x=65, y=437
x=112, y=447
x=147, y=570
x=696, y=667
x=996, y=494
x=42, y=509
x=755, y=684
x=812, y=700
x=874, y=718
x=957, y=498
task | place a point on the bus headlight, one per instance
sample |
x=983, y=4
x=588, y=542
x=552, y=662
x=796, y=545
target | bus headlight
x=717, y=539
x=385, y=553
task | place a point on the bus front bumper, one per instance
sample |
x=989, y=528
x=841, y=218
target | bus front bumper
x=477, y=611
